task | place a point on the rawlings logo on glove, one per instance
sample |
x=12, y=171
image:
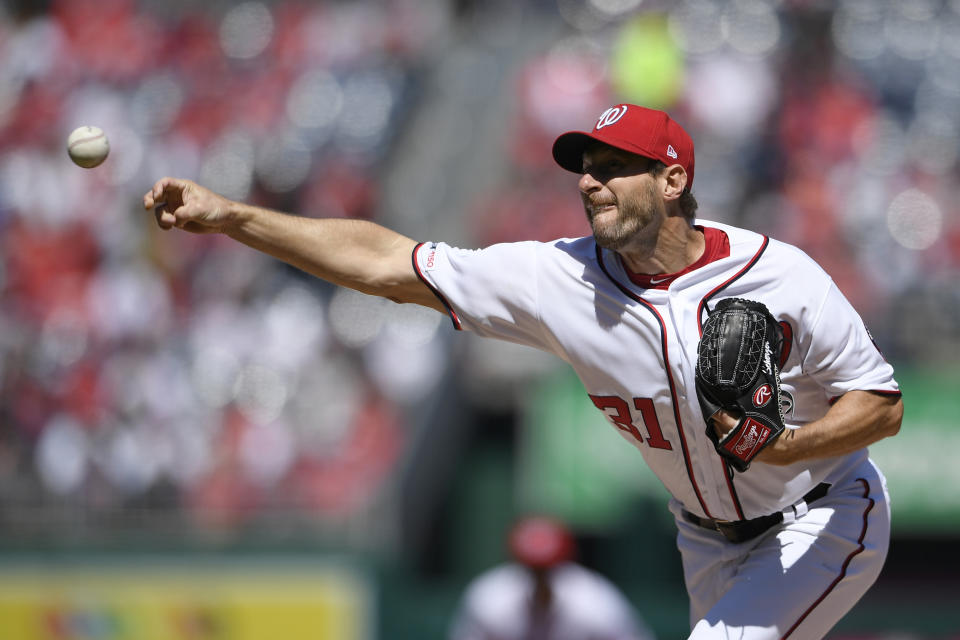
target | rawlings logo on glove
x=737, y=372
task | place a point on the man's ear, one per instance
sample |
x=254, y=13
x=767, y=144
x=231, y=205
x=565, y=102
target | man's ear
x=676, y=182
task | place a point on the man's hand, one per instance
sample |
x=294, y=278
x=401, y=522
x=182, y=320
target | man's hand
x=777, y=453
x=186, y=205
x=723, y=423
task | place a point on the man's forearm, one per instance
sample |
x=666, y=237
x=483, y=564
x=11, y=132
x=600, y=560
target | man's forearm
x=357, y=254
x=856, y=420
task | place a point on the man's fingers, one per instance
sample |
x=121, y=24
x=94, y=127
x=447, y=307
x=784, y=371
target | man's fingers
x=165, y=189
x=163, y=184
x=166, y=200
x=179, y=203
x=182, y=215
x=168, y=219
x=175, y=218
x=165, y=218
x=724, y=422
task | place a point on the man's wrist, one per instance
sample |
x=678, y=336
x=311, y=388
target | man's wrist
x=779, y=452
x=237, y=217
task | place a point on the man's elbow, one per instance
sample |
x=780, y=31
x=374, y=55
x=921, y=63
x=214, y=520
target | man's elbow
x=893, y=418
x=402, y=288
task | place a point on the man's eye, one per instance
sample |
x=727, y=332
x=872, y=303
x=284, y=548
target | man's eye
x=604, y=168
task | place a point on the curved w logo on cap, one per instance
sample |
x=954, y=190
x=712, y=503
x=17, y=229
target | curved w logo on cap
x=610, y=116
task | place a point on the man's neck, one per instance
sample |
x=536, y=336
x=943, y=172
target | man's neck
x=678, y=246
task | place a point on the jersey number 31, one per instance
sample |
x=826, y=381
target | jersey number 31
x=618, y=411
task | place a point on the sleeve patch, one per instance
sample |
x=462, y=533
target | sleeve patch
x=431, y=258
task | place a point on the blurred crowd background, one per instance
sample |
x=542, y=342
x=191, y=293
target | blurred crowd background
x=167, y=393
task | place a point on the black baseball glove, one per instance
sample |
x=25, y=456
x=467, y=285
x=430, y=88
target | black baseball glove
x=737, y=371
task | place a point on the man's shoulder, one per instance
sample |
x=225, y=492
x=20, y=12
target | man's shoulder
x=583, y=245
x=747, y=241
x=738, y=236
x=561, y=250
x=575, y=248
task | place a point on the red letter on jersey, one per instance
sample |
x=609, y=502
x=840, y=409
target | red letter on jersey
x=621, y=417
x=649, y=413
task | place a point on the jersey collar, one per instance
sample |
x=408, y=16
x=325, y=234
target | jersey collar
x=716, y=247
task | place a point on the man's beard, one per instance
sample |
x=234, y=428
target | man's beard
x=637, y=218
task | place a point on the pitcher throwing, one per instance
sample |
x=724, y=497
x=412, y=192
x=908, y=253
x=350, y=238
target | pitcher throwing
x=759, y=430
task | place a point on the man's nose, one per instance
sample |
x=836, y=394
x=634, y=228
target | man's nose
x=588, y=183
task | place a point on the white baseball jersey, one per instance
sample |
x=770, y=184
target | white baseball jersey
x=633, y=340
x=497, y=606
x=634, y=348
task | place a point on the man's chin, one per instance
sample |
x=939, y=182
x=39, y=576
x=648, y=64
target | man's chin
x=611, y=235
x=613, y=243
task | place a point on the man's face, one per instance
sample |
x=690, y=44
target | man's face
x=620, y=197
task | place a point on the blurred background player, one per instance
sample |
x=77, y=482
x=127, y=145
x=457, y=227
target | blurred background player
x=544, y=595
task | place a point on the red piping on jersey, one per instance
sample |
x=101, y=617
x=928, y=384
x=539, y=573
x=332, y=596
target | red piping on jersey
x=666, y=367
x=443, y=301
x=787, y=329
x=734, y=278
x=756, y=257
x=846, y=563
x=728, y=476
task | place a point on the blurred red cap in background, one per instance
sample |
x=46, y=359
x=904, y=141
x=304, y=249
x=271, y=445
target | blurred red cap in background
x=541, y=542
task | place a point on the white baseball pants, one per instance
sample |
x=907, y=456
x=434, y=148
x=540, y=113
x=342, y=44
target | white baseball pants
x=795, y=580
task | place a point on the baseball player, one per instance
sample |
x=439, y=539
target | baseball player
x=755, y=414
x=544, y=594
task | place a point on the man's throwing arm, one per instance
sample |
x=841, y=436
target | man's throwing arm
x=357, y=254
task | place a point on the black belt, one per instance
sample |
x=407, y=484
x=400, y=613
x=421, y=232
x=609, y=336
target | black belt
x=743, y=530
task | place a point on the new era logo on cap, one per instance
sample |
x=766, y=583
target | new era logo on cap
x=646, y=132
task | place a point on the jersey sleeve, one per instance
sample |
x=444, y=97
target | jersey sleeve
x=842, y=355
x=492, y=292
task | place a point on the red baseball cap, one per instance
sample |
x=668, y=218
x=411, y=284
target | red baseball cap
x=541, y=542
x=646, y=132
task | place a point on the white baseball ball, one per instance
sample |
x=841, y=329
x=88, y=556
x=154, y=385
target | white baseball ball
x=88, y=146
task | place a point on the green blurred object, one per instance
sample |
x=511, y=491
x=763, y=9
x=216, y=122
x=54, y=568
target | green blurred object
x=574, y=464
x=920, y=462
x=646, y=64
